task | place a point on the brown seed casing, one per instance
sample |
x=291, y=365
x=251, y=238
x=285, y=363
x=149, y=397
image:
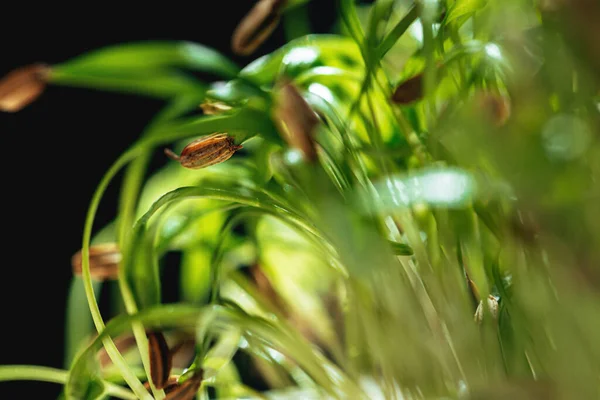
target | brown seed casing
x=22, y=86
x=494, y=106
x=409, y=91
x=161, y=359
x=296, y=120
x=256, y=26
x=206, y=151
x=104, y=261
x=171, y=382
x=186, y=390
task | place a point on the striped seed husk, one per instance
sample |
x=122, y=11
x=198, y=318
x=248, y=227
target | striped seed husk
x=206, y=151
x=161, y=359
x=256, y=26
x=22, y=86
x=104, y=262
x=186, y=390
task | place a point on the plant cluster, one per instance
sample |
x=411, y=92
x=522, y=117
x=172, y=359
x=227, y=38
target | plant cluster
x=405, y=208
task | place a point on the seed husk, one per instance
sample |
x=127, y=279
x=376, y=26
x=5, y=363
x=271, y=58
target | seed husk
x=495, y=107
x=296, y=120
x=171, y=382
x=161, y=359
x=186, y=390
x=409, y=91
x=256, y=26
x=206, y=151
x=104, y=262
x=22, y=86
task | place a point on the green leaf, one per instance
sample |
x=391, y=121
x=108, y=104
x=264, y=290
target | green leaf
x=195, y=275
x=206, y=319
x=82, y=370
x=302, y=54
x=221, y=353
x=279, y=338
x=96, y=390
x=79, y=326
x=148, y=68
x=401, y=249
x=351, y=21
x=160, y=84
x=397, y=31
x=152, y=55
x=463, y=9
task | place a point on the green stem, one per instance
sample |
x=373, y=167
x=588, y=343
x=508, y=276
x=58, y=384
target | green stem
x=429, y=75
x=79, y=324
x=118, y=360
x=196, y=126
x=54, y=375
x=392, y=37
x=129, y=196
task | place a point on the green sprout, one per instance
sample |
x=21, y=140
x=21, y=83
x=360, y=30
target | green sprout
x=418, y=192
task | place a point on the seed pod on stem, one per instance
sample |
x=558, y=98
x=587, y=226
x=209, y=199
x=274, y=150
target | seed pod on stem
x=409, y=91
x=256, y=26
x=186, y=390
x=161, y=359
x=22, y=86
x=206, y=151
x=104, y=262
x=295, y=120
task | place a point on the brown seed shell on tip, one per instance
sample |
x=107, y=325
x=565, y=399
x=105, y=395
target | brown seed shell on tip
x=22, y=86
x=206, y=151
x=161, y=359
x=495, y=106
x=172, y=381
x=409, y=91
x=186, y=390
x=256, y=26
x=296, y=120
x=104, y=261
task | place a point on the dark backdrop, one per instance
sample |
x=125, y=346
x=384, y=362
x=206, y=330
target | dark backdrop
x=55, y=151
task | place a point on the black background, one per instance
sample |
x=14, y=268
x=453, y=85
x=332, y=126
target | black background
x=55, y=151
